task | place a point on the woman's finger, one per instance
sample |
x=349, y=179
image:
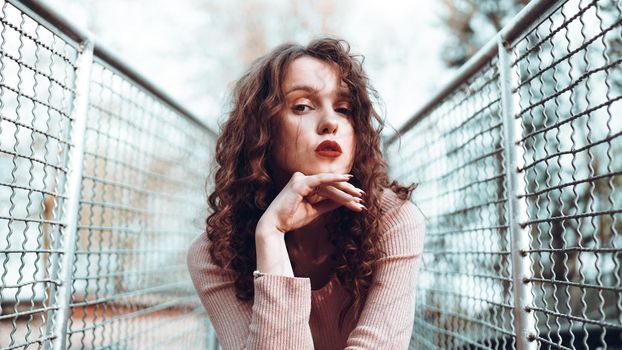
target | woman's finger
x=344, y=186
x=349, y=188
x=314, y=198
x=313, y=181
x=339, y=196
x=316, y=189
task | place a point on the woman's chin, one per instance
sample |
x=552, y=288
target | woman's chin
x=326, y=169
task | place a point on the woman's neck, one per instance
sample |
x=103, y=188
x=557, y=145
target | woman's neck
x=310, y=241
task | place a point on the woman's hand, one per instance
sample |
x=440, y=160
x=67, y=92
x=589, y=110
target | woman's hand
x=305, y=198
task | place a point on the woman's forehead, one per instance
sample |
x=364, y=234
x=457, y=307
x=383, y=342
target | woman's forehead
x=313, y=75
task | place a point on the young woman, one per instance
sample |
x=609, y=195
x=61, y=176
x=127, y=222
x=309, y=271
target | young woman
x=309, y=245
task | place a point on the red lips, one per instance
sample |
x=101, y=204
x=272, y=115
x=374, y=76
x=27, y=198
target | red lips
x=329, y=148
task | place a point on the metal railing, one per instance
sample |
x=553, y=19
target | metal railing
x=519, y=165
x=102, y=181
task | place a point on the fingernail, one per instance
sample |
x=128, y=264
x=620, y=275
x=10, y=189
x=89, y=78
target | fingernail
x=362, y=207
x=349, y=176
x=363, y=193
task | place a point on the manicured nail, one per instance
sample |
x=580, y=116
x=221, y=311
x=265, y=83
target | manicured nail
x=349, y=176
x=362, y=207
x=363, y=193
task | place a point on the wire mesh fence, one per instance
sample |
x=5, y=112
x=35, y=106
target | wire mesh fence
x=102, y=189
x=37, y=75
x=569, y=91
x=519, y=165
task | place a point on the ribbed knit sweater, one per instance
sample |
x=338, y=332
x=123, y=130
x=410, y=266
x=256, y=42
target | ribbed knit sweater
x=287, y=314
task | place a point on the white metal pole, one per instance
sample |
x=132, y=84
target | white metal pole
x=521, y=263
x=74, y=186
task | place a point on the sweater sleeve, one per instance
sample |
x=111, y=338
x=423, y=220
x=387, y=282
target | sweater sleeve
x=386, y=321
x=278, y=318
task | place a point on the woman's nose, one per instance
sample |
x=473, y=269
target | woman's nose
x=329, y=123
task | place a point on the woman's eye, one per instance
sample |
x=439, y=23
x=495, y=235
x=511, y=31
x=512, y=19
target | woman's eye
x=344, y=111
x=301, y=108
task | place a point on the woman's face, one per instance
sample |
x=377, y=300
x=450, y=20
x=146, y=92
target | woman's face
x=315, y=132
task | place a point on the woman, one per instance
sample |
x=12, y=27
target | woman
x=309, y=245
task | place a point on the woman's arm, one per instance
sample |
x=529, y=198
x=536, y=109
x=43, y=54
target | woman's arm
x=279, y=316
x=271, y=252
x=277, y=319
x=387, y=318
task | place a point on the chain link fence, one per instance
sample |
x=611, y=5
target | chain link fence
x=102, y=188
x=519, y=165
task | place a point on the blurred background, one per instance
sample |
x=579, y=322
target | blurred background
x=196, y=49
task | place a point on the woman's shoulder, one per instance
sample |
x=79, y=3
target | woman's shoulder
x=198, y=253
x=402, y=224
x=199, y=259
x=391, y=203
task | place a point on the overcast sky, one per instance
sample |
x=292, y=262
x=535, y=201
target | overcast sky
x=186, y=49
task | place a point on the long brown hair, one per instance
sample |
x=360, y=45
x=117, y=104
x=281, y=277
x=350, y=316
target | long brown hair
x=244, y=186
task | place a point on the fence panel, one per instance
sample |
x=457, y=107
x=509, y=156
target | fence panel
x=569, y=90
x=38, y=72
x=455, y=154
x=141, y=200
x=564, y=96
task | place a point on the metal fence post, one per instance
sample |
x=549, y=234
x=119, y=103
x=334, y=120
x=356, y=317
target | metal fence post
x=74, y=186
x=521, y=271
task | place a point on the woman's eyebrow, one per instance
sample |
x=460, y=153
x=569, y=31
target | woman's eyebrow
x=342, y=93
x=306, y=88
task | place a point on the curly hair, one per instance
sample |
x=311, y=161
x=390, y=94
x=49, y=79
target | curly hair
x=244, y=185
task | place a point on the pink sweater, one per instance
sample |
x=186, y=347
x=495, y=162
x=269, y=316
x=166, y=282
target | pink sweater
x=287, y=314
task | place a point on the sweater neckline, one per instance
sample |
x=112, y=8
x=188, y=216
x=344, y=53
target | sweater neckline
x=325, y=287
